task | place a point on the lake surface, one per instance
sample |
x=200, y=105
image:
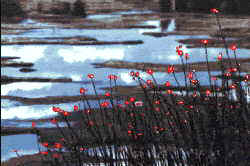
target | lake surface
x=57, y=61
x=23, y=143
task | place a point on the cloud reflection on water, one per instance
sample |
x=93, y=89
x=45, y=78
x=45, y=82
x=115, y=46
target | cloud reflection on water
x=55, y=61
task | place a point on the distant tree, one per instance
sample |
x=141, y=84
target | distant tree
x=79, y=9
x=11, y=8
x=61, y=8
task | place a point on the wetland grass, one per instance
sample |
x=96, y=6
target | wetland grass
x=198, y=127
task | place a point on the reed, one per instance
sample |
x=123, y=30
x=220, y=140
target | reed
x=161, y=127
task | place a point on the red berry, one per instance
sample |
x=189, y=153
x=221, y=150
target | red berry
x=219, y=57
x=150, y=71
x=53, y=121
x=139, y=103
x=194, y=82
x=137, y=74
x=91, y=76
x=87, y=111
x=149, y=82
x=90, y=123
x=213, y=10
x=180, y=52
x=247, y=77
x=44, y=153
x=204, y=42
x=65, y=113
x=132, y=73
x=157, y=102
x=107, y=94
x=126, y=102
x=180, y=102
x=233, y=47
x=213, y=78
x=186, y=56
x=167, y=84
x=170, y=91
x=157, y=109
x=233, y=86
x=228, y=74
x=232, y=70
x=190, y=75
x=82, y=90
x=139, y=134
x=208, y=92
x=45, y=144
x=57, y=145
x=194, y=94
x=75, y=108
x=105, y=104
x=112, y=77
x=132, y=99
x=56, y=109
x=83, y=149
x=170, y=69
x=33, y=124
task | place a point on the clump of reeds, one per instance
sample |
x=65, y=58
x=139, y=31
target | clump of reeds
x=195, y=127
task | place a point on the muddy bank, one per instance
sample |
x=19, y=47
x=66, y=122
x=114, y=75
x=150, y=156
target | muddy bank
x=18, y=130
x=50, y=21
x=215, y=43
x=131, y=90
x=198, y=66
x=232, y=26
x=13, y=130
x=6, y=58
x=230, y=33
x=8, y=80
x=27, y=70
x=7, y=63
x=41, y=160
x=37, y=39
x=28, y=160
x=50, y=99
x=78, y=43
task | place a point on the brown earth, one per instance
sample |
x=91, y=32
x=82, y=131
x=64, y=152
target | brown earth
x=198, y=66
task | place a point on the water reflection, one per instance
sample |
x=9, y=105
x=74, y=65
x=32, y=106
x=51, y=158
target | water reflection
x=28, y=145
x=75, y=61
x=24, y=112
x=27, y=54
x=80, y=54
x=164, y=25
x=14, y=123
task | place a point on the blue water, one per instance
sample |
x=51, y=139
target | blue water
x=57, y=61
x=28, y=145
x=75, y=62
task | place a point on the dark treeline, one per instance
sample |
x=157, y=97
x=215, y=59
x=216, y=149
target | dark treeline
x=227, y=6
x=12, y=8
